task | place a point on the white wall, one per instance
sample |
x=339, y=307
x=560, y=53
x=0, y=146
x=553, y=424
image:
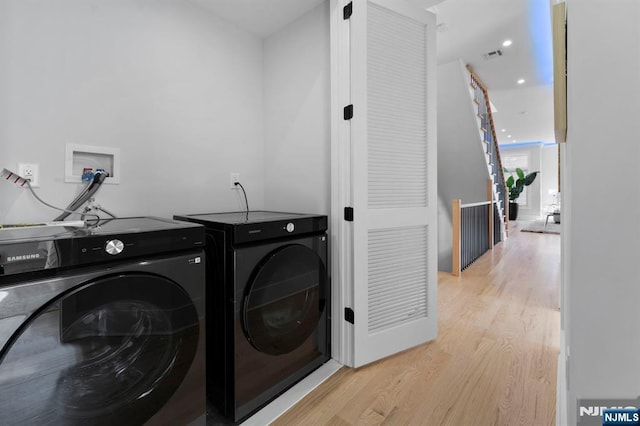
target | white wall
x=178, y=90
x=602, y=274
x=297, y=115
x=549, y=176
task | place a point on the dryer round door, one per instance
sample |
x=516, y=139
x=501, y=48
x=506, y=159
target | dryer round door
x=283, y=303
x=110, y=351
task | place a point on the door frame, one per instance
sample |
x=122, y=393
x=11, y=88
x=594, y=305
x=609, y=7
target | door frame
x=341, y=257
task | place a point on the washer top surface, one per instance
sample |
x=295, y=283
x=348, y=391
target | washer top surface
x=128, y=225
x=241, y=218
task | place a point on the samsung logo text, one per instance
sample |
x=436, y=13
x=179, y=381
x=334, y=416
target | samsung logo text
x=23, y=257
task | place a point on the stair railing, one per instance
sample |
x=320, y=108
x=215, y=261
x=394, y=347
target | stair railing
x=492, y=139
x=474, y=230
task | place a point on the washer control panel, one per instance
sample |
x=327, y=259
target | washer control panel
x=105, y=248
x=290, y=227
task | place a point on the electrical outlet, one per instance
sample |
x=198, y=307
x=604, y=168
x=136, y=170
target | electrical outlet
x=29, y=171
x=233, y=178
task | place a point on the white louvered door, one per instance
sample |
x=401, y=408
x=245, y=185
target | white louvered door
x=394, y=171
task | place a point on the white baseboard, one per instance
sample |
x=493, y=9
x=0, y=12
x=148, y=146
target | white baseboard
x=561, y=387
x=288, y=399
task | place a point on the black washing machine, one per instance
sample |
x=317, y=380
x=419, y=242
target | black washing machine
x=268, y=301
x=103, y=325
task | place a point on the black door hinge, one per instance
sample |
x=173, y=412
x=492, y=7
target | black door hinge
x=348, y=112
x=349, y=315
x=348, y=214
x=347, y=11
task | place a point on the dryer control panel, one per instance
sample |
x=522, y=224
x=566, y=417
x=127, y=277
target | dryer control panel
x=254, y=232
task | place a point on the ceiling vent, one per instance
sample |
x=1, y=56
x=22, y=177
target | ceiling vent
x=493, y=54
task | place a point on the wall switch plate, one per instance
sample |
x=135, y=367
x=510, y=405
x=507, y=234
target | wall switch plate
x=233, y=178
x=30, y=172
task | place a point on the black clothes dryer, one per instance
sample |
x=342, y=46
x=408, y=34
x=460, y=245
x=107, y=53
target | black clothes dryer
x=103, y=325
x=268, y=288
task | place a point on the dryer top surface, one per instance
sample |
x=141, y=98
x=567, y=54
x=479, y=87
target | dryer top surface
x=255, y=216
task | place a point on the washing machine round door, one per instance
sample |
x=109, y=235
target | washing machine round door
x=284, y=301
x=111, y=351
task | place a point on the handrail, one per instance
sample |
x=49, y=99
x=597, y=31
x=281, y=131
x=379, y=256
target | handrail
x=485, y=91
x=481, y=203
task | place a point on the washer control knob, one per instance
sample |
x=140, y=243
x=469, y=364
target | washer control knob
x=290, y=227
x=114, y=247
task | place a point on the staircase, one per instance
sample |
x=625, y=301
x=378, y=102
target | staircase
x=465, y=161
x=484, y=118
x=467, y=155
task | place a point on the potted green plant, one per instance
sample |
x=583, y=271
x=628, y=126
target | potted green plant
x=515, y=187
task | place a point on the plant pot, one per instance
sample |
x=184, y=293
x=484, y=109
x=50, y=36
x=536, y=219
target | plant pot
x=513, y=210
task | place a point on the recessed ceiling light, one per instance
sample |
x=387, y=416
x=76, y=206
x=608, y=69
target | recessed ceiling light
x=508, y=136
x=507, y=43
x=504, y=130
x=521, y=81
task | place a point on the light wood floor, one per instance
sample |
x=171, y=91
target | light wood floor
x=493, y=363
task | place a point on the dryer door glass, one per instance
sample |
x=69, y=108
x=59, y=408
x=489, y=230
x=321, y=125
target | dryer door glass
x=112, y=351
x=282, y=305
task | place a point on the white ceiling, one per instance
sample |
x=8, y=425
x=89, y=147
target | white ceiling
x=475, y=27
x=471, y=28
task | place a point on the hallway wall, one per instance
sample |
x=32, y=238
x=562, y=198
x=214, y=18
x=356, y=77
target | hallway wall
x=600, y=310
